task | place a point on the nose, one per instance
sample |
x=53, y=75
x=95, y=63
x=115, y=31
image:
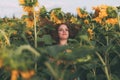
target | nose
x=64, y=31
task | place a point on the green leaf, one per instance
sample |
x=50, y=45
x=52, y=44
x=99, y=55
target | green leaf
x=47, y=39
x=115, y=77
x=84, y=37
x=114, y=61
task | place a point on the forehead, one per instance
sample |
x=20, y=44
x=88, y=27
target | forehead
x=63, y=26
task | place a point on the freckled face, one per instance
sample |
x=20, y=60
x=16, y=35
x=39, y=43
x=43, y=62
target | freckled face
x=63, y=32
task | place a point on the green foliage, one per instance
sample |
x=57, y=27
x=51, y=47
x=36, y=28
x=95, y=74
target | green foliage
x=84, y=58
x=112, y=13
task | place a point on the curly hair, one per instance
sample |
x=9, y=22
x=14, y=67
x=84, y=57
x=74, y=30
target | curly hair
x=72, y=31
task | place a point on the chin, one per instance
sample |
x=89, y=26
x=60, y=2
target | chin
x=64, y=38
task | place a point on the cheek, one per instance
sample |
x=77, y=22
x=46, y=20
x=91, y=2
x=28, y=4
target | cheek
x=60, y=34
x=68, y=33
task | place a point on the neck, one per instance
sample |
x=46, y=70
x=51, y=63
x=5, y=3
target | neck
x=63, y=42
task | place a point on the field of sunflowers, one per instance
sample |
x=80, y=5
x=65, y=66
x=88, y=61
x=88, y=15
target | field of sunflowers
x=93, y=54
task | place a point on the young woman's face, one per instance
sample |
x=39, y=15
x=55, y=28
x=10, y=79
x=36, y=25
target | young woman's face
x=63, y=32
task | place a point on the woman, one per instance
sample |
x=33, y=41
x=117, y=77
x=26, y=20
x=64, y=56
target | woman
x=63, y=34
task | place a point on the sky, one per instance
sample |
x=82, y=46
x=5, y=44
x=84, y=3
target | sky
x=9, y=8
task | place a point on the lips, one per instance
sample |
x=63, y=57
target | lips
x=64, y=34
